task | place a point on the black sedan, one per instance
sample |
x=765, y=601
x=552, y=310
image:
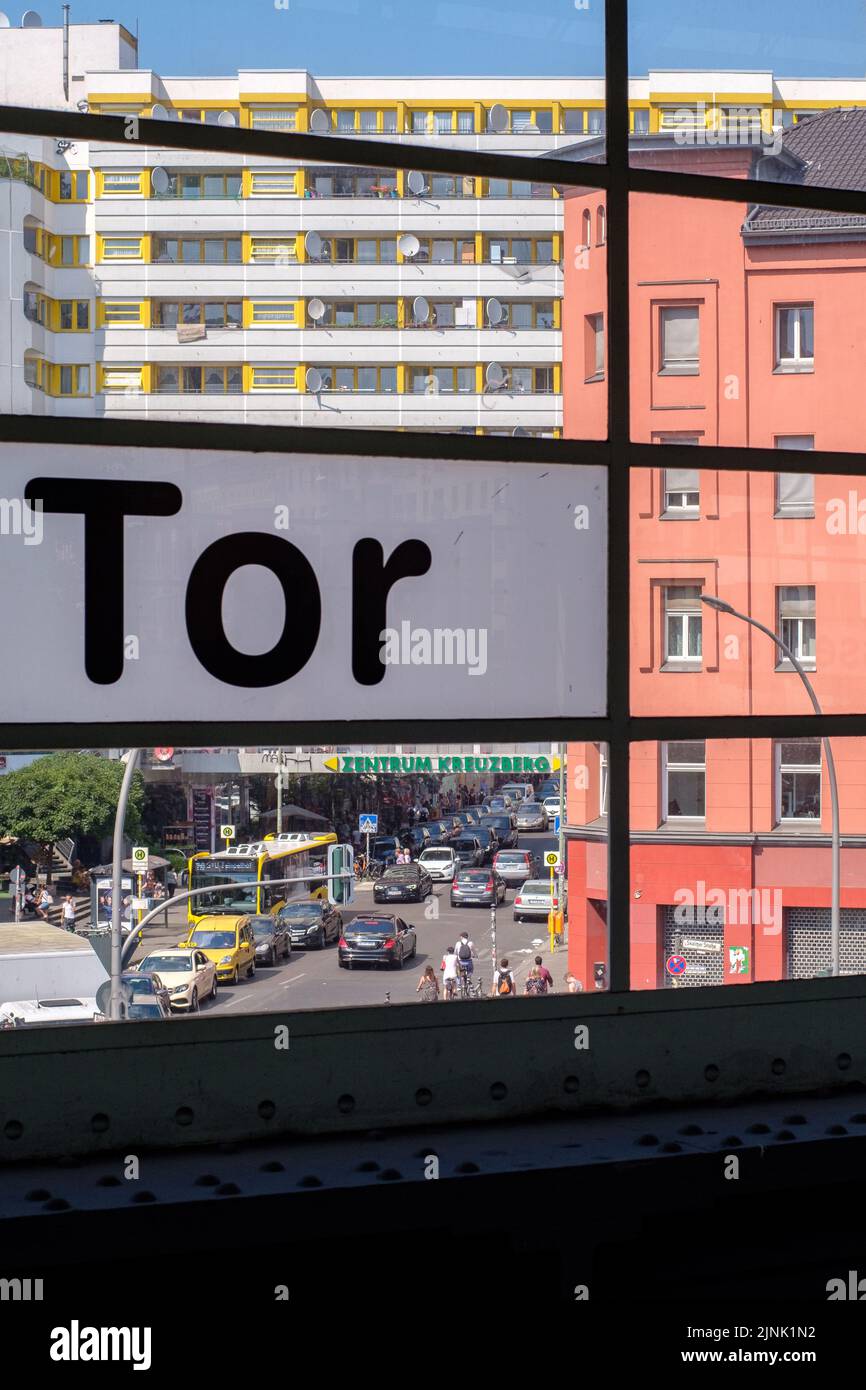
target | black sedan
x=503, y=829
x=477, y=888
x=377, y=939
x=487, y=840
x=468, y=850
x=311, y=923
x=272, y=940
x=403, y=883
x=144, y=996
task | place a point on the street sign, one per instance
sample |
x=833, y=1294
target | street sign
x=557, y=822
x=140, y=856
x=163, y=755
x=236, y=620
x=551, y=859
x=227, y=832
x=675, y=965
x=368, y=823
x=442, y=764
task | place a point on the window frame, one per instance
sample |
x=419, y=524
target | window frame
x=796, y=770
x=667, y=815
x=798, y=364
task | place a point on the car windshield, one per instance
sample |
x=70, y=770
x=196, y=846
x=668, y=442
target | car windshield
x=368, y=927
x=473, y=876
x=139, y=984
x=436, y=854
x=384, y=845
x=400, y=871
x=144, y=1011
x=466, y=846
x=262, y=929
x=510, y=856
x=167, y=965
x=298, y=912
x=536, y=885
x=213, y=940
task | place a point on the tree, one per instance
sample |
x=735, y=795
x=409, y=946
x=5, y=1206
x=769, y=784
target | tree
x=66, y=794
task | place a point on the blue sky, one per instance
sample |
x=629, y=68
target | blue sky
x=508, y=37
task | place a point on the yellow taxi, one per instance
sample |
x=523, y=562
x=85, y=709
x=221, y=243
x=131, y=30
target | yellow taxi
x=227, y=941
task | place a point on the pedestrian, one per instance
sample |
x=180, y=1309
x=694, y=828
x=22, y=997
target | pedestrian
x=465, y=952
x=68, y=913
x=535, y=983
x=545, y=973
x=503, y=980
x=449, y=968
x=170, y=882
x=428, y=986
x=573, y=984
x=44, y=900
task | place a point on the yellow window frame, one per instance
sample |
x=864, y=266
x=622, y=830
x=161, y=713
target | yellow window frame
x=56, y=315
x=54, y=184
x=110, y=382
x=104, y=242
x=257, y=249
x=56, y=378
x=133, y=190
x=285, y=313
x=253, y=176
x=259, y=371
x=106, y=319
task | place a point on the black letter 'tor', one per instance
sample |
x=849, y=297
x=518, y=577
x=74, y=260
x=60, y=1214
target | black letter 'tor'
x=372, y=581
x=204, y=596
x=104, y=503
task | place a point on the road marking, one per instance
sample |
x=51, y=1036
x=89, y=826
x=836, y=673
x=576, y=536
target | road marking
x=294, y=979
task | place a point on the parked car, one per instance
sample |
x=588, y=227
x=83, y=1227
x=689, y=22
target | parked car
x=499, y=804
x=145, y=996
x=466, y=818
x=403, y=883
x=531, y=815
x=488, y=841
x=272, y=939
x=378, y=939
x=533, y=900
x=188, y=976
x=551, y=806
x=36, y=1013
x=440, y=862
x=417, y=839
x=468, y=850
x=313, y=923
x=476, y=887
x=228, y=942
x=549, y=787
x=384, y=848
x=442, y=831
x=504, y=830
x=515, y=866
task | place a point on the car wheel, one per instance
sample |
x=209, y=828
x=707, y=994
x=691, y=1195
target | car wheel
x=518, y=917
x=414, y=949
x=235, y=977
x=193, y=1003
x=251, y=970
x=213, y=988
x=397, y=962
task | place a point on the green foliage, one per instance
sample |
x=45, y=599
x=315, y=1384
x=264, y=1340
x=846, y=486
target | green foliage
x=67, y=794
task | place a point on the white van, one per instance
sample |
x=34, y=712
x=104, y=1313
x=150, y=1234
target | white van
x=518, y=791
x=34, y=1013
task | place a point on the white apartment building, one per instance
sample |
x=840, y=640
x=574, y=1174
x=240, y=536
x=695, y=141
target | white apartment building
x=155, y=283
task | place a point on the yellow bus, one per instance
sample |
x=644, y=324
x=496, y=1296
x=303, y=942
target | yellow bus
x=252, y=868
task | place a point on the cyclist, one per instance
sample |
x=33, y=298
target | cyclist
x=449, y=972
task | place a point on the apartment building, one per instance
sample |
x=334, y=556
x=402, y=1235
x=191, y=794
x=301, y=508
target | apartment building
x=746, y=331
x=151, y=283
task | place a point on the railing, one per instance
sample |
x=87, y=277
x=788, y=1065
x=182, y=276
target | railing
x=17, y=167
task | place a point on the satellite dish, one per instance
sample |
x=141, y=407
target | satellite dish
x=320, y=121
x=31, y=20
x=314, y=381
x=420, y=309
x=4, y=20
x=495, y=376
x=227, y=118
x=158, y=112
x=519, y=432
x=408, y=245
x=83, y=104
x=316, y=310
x=313, y=245
x=497, y=119
x=160, y=180
x=495, y=312
x=416, y=182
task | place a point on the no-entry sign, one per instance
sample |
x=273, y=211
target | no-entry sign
x=199, y=585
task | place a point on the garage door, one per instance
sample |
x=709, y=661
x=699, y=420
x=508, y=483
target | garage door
x=808, y=941
x=697, y=934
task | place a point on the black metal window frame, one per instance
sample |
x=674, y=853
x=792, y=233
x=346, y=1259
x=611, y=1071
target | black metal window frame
x=617, y=454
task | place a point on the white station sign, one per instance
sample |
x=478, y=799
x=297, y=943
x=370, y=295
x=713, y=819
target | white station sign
x=206, y=585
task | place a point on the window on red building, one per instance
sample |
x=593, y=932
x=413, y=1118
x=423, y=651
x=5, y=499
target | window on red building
x=795, y=492
x=796, y=625
x=683, y=622
x=682, y=490
x=679, y=350
x=798, y=780
x=795, y=338
x=684, y=781
x=594, y=366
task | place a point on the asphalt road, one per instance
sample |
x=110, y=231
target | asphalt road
x=313, y=979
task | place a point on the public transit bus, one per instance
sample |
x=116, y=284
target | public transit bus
x=252, y=867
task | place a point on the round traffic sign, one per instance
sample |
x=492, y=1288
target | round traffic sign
x=551, y=858
x=675, y=965
x=139, y=855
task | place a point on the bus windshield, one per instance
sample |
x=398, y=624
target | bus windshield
x=243, y=899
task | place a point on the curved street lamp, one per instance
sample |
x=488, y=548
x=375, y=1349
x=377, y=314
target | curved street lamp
x=721, y=607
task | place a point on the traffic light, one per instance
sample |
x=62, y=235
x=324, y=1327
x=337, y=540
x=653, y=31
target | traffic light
x=341, y=860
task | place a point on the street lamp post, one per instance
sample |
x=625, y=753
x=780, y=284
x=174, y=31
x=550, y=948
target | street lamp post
x=721, y=607
x=115, y=1001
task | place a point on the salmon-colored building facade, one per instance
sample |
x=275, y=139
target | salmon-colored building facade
x=746, y=330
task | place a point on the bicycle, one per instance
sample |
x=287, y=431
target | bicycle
x=467, y=986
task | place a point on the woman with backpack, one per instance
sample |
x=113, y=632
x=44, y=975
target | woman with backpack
x=428, y=986
x=503, y=980
x=535, y=982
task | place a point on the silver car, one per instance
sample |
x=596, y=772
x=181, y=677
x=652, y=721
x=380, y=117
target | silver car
x=531, y=815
